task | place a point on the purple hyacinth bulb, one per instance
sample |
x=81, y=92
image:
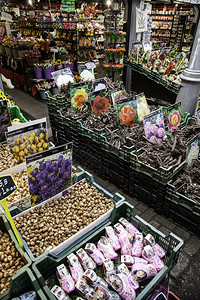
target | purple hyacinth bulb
x=39, y=198
x=52, y=191
x=41, y=182
x=44, y=188
x=42, y=167
x=30, y=181
x=59, y=183
x=33, y=189
x=62, y=170
x=34, y=172
x=46, y=195
x=54, y=178
x=48, y=165
x=55, y=169
x=60, y=159
x=65, y=163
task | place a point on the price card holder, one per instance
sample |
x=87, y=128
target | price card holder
x=7, y=187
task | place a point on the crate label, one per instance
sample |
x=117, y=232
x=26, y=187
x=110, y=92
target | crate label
x=63, y=76
x=99, y=84
x=118, y=94
x=85, y=73
x=49, y=172
x=7, y=186
x=142, y=106
x=192, y=151
x=26, y=139
x=78, y=95
x=154, y=126
x=100, y=101
x=127, y=112
x=173, y=117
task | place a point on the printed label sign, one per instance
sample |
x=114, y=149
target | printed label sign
x=100, y=101
x=63, y=76
x=192, y=151
x=154, y=126
x=99, y=84
x=7, y=186
x=174, y=117
x=117, y=95
x=85, y=73
x=27, y=139
x=127, y=112
x=142, y=106
x=49, y=172
x=78, y=95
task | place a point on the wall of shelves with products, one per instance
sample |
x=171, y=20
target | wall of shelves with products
x=173, y=25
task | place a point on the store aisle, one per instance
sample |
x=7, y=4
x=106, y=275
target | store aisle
x=31, y=107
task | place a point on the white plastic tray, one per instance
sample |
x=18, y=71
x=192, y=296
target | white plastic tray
x=76, y=236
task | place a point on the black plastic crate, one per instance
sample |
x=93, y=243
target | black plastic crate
x=153, y=200
x=182, y=216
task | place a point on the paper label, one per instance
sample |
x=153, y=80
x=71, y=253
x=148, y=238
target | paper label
x=99, y=84
x=127, y=112
x=142, y=106
x=154, y=126
x=174, y=117
x=26, y=139
x=117, y=95
x=49, y=172
x=78, y=95
x=192, y=151
x=100, y=101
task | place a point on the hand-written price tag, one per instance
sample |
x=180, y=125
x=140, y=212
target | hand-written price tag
x=7, y=187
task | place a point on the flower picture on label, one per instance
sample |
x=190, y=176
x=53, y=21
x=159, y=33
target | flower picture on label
x=118, y=94
x=78, y=95
x=25, y=141
x=100, y=101
x=127, y=112
x=174, y=116
x=49, y=174
x=142, y=106
x=192, y=151
x=154, y=126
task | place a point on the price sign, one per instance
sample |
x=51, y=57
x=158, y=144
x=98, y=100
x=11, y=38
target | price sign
x=7, y=187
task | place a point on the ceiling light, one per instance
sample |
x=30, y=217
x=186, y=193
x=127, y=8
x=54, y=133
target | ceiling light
x=30, y=2
x=108, y=2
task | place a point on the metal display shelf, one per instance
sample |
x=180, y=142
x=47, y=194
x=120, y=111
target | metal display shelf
x=156, y=77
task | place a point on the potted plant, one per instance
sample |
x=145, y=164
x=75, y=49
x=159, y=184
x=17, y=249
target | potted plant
x=38, y=70
x=8, y=44
x=43, y=87
x=48, y=69
x=32, y=56
x=54, y=88
x=68, y=64
x=62, y=53
x=58, y=64
x=20, y=46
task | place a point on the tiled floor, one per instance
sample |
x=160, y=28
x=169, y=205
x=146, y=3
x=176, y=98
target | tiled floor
x=185, y=276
